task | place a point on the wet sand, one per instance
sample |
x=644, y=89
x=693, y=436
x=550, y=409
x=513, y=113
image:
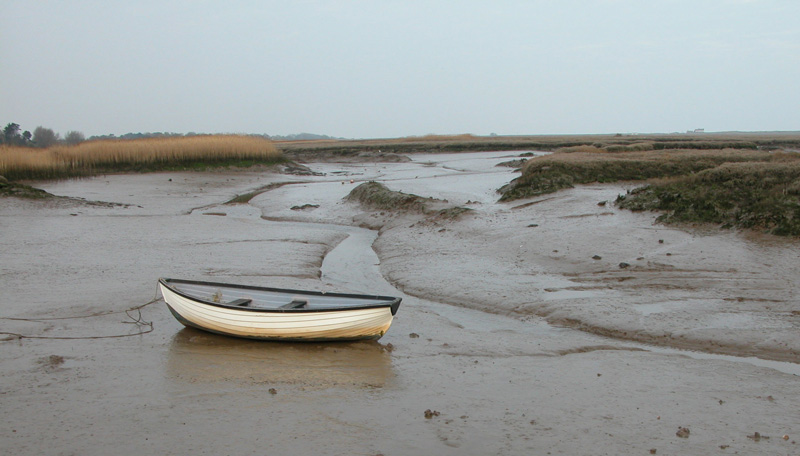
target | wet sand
x=509, y=328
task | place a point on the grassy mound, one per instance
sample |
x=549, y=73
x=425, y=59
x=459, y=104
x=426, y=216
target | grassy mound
x=744, y=195
x=21, y=190
x=377, y=196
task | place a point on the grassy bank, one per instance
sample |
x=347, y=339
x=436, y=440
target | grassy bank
x=332, y=149
x=763, y=196
x=733, y=188
x=153, y=154
x=554, y=172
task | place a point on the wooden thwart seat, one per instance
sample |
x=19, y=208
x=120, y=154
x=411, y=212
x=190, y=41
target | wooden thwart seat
x=240, y=302
x=295, y=304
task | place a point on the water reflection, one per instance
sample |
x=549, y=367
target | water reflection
x=198, y=356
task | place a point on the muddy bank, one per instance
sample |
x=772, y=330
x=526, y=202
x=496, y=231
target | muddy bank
x=607, y=271
x=574, y=259
x=493, y=384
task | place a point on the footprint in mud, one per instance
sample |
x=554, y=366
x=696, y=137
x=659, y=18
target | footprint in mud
x=51, y=362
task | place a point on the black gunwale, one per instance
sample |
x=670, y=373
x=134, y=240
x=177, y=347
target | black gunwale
x=392, y=302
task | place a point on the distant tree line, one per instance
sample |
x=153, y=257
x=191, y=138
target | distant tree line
x=156, y=134
x=45, y=137
x=159, y=134
x=300, y=137
x=41, y=137
x=294, y=137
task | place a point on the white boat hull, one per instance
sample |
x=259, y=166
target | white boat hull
x=318, y=325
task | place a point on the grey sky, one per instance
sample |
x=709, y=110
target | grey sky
x=367, y=69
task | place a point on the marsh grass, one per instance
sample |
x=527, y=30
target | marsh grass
x=755, y=195
x=600, y=146
x=377, y=196
x=635, y=147
x=439, y=138
x=705, y=145
x=583, y=148
x=733, y=188
x=550, y=173
x=22, y=191
x=310, y=150
x=135, y=155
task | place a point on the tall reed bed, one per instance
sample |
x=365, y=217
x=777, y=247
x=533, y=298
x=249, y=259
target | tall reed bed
x=141, y=154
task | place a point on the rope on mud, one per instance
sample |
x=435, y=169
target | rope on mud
x=144, y=326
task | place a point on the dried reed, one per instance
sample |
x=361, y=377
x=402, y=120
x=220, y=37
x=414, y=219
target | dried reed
x=111, y=155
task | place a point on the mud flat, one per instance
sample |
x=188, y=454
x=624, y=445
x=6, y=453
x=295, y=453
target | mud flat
x=519, y=333
x=608, y=271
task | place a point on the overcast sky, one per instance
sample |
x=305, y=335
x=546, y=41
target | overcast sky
x=372, y=69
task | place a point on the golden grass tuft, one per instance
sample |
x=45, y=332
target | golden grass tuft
x=151, y=153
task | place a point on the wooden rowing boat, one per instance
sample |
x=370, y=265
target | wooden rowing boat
x=278, y=314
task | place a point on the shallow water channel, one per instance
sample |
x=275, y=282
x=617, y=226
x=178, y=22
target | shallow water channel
x=353, y=264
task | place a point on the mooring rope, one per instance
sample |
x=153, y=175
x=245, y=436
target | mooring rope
x=145, y=326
